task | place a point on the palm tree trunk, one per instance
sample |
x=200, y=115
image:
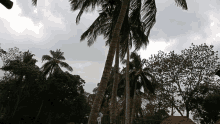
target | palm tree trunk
x=133, y=108
x=108, y=65
x=127, y=114
x=114, y=88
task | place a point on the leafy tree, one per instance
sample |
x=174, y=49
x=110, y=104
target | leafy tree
x=12, y=54
x=22, y=67
x=211, y=109
x=52, y=100
x=196, y=64
x=204, y=103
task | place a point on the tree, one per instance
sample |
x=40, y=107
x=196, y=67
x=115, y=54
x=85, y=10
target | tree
x=76, y=4
x=138, y=79
x=54, y=62
x=131, y=24
x=204, y=102
x=61, y=90
x=7, y=3
x=62, y=100
x=22, y=67
x=189, y=69
x=210, y=109
x=12, y=54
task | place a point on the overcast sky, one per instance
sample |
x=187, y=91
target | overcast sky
x=51, y=25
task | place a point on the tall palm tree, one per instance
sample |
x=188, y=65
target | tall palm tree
x=53, y=63
x=136, y=73
x=104, y=24
x=149, y=17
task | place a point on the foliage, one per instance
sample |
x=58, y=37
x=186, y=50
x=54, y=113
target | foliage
x=207, y=107
x=54, y=63
x=189, y=69
x=59, y=98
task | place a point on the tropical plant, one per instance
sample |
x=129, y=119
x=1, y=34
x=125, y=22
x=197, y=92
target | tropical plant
x=150, y=10
x=139, y=78
x=21, y=67
x=53, y=63
x=104, y=24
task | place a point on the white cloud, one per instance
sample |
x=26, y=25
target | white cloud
x=19, y=25
x=153, y=48
x=212, y=24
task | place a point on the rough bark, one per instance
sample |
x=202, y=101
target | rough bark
x=114, y=89
x=127, y=114
x=108, y=65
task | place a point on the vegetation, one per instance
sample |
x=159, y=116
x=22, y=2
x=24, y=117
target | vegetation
x=30, y=94
x=28, y=97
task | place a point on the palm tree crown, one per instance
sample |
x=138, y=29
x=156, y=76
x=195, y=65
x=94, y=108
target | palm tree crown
x=53, y=63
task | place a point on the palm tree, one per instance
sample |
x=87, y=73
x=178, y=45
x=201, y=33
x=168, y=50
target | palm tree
x=137, y=72
x=54, y=62
x=149, y=17
x=104, y=24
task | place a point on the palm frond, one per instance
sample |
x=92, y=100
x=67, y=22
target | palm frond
x=46, y=57
x=53, y=53
x=93, y=33
x=139, y=38
x=46, y=65
x=182, y=3
x=149, y=9
x=46, y=70
x=34, y=2
x=148, y=74
x=124, y=46
x=137, y=27
x=60, y=57
x=147, y=84
x=83, y=5
x=65, y=65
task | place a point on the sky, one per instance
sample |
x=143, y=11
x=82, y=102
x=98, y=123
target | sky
x=52, y=25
